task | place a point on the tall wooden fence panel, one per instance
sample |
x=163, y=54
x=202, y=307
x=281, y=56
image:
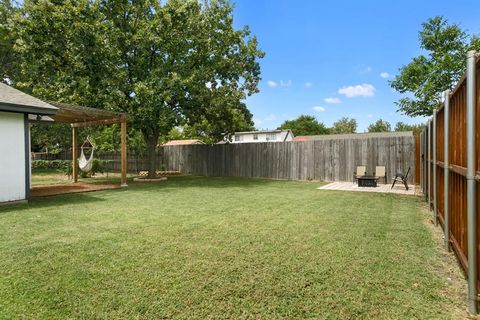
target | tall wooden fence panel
x=456, y=190
x=326, y=159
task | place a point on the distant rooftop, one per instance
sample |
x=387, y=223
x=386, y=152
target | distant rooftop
x=182, y=142
x=262, y=131
x=354, y=136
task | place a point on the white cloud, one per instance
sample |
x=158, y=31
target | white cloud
x=308, y=85
x=272, y=84
x=369, y=69
x=319, y=108
x=360, y=90
x=385, y=75
x=370, y=116
x=271, y=117
x=332, y=100
x=257, y=121
x=285, y=84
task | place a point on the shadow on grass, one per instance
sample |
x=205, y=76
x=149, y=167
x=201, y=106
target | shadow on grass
x=183, y=182
x=173, y=184
x=52, y=201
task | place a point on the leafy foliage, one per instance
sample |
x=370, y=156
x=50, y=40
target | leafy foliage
x=344, y=125
x=380, y=126
x=167, y=63
x=427, y=76
x=416, y=128
x=54, y=137
x=305, y=125
x=51, y=164
x=8, y=56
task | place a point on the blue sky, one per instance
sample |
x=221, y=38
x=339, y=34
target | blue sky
x=335, y=58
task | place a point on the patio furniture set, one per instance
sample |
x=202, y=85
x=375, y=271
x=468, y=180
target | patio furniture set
x=363, y=179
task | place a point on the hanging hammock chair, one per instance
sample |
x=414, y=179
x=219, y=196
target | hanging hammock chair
x=84, y=164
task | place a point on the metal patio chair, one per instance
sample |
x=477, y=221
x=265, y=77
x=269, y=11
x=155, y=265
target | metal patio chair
x=401, y=178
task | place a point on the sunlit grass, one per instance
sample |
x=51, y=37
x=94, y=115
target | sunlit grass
x=219, y=248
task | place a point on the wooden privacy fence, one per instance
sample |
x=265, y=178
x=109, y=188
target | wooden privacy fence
x=330, y=158
x=448, y=171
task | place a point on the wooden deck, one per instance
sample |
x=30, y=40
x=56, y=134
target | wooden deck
x=382, y=188
x=56, y=189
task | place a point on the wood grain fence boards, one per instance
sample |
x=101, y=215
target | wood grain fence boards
x=457, y=188
x=325, y=159
x=417, y=159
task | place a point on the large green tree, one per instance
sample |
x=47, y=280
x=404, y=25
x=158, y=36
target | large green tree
x=379, y=126
x=428, y=75
x=305, y=125
x=166, y=63
x=344, y=125
x=8, y=57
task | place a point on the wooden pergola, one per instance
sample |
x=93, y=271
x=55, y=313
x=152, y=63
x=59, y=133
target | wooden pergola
x=82, y=117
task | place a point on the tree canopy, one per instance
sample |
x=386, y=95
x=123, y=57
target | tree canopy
x=416, y=128
x=305, y=125
x=344, y=125
x=379, y=126
x=166, y=63
x=427, y=76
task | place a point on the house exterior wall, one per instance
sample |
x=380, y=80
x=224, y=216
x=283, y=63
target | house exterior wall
x=12, y=157
x=262, y=137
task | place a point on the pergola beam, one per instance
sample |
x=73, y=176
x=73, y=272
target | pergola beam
x=96, y=123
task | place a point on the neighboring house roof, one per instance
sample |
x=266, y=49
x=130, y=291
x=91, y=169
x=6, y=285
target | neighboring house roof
x=354, y=136
x=263, y=131
x=14, y=100
x=182, y=142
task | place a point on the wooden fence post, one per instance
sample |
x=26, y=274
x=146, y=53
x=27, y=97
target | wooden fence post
x=429, y=164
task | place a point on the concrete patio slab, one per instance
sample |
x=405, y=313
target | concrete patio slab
x=382, y=188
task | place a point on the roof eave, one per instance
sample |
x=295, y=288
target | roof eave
x=10, y=107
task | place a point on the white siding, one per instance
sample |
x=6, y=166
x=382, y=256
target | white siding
x=12, y=157
x=262, y=137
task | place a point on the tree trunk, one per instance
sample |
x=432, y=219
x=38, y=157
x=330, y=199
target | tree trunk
x=151, y=142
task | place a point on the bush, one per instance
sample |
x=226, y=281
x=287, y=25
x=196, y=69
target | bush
x=51, y=164
x=99, y=166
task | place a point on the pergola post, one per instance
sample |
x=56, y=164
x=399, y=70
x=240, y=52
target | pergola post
x=124, y=152
x=74, y=155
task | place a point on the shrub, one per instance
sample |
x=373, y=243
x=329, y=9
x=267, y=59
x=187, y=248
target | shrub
x=99, y=166
x=50, y=164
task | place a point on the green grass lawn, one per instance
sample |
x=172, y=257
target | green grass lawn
x=51, y=176
x=220, y=248
x=48, y=176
